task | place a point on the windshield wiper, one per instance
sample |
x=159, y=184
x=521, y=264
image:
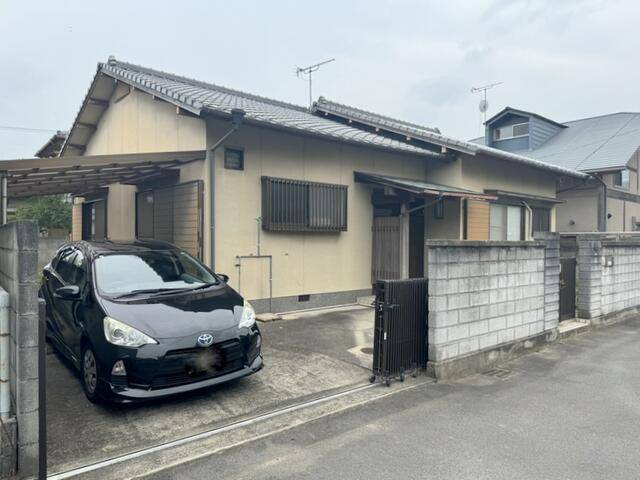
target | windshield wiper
x=205, y=285
x=156, y=291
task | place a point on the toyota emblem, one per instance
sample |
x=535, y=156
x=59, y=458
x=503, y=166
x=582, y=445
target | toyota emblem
x=205, y=340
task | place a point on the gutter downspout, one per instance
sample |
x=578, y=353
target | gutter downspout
x=530, y=222
x=237, y=115
x=602, y=206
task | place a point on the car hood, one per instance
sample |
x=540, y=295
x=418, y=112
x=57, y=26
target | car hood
x=213, y=310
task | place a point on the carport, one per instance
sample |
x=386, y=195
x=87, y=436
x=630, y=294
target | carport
x=307, y=355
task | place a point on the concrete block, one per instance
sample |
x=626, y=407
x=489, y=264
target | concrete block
x=467, y=346
x=437, y=336
x=478, y=328
x=507, y=335
x=438, y=303
x=488, y=340
x=27, y=395
x=522, y=331
x=27, y=427
x=470, y=314
x=444, y=318
x=497, y=323
x=456, y=332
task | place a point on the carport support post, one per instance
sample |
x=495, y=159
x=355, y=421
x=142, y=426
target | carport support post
x=404, y=240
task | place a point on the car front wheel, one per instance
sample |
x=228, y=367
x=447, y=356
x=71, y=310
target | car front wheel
x=89, y=375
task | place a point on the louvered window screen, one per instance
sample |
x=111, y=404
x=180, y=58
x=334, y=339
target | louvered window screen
x=300, y=206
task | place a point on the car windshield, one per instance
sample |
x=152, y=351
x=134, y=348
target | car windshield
x=149, y=272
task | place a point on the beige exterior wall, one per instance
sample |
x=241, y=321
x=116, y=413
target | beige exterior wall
x=303, y=263
x=121, y=212
x=138, y=123
x=318, y=263
x=579, y=212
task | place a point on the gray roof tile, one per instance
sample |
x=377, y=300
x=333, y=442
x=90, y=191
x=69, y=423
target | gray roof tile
x=196, y=96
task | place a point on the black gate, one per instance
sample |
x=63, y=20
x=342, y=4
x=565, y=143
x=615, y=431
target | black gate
x=567, y=288
x=400, y=336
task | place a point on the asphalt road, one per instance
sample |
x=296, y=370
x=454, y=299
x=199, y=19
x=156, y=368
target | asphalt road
x=570, y=411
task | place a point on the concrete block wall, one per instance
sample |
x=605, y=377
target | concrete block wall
x=483, y=294
x=621, y=281
x=18, y=276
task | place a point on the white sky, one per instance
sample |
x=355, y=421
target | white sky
x=415, y=60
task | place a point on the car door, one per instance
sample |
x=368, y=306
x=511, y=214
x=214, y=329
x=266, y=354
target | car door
x=74, y=321
x=63, y=274
x=53, y=281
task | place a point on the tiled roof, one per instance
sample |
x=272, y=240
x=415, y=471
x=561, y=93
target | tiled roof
x=592, y=144
x=429, y=135
x=199, y=97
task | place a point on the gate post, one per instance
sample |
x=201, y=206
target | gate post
x=551, y=278
x=589, y=276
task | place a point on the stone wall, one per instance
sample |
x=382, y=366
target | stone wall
x=18, y=260
x=484, y=294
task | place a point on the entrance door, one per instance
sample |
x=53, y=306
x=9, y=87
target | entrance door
x=567, y=288
x=386, y=248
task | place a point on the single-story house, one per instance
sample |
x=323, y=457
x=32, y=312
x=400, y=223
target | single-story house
x=607, y=147
x=300, y=207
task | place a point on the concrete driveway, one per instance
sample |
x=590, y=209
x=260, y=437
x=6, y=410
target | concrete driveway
x=306, y=355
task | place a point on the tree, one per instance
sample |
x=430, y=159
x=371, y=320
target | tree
x=50, y=211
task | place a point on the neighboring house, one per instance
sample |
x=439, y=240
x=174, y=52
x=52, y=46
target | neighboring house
x=606, y=147
x=53, y=146
x=311, y=204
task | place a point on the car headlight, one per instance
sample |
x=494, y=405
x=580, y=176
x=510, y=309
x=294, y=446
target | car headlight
x=248, y=318
x=124, y=335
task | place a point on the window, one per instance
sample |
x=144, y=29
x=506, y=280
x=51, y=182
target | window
x=541, y=219
x=64, y=266
x=233, y=159
x=621, y=179
x=300, y=206
x=505, y=222
x=511, y=131
x=159, y=269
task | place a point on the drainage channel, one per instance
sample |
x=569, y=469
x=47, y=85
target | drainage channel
x=209, y=433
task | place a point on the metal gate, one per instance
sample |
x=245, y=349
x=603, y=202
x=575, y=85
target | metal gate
x=400, y=335
x=567, y=288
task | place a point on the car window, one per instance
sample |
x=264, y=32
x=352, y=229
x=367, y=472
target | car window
x=80, y=269
x=125, y=272
x=64, y=266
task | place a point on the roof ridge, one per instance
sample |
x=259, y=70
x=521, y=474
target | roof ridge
x=387, y=117
x=200, y=83
x=603, y=115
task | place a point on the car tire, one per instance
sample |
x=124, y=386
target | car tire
x=90, y=375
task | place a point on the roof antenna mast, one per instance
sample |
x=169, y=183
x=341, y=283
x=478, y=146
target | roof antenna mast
x=305, y=73
x=483, y=106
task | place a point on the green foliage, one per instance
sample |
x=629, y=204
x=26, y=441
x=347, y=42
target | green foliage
x=50, y=211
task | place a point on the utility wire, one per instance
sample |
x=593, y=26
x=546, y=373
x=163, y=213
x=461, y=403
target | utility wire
x=26, y=129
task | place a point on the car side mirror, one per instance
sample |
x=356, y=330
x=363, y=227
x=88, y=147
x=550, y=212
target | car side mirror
x=68, y=292
x=223, y=276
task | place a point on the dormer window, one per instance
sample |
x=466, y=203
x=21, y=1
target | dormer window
x=511, y=131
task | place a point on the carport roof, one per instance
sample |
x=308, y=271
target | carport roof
x=420, y=187
x=82, y=174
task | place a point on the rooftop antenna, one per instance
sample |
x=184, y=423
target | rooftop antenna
x=483, y=106
x=305, y=74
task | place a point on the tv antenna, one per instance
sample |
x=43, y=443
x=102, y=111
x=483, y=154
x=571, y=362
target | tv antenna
x=483, y=106
x=305, y=73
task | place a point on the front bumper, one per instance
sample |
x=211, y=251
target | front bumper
x=132, y=394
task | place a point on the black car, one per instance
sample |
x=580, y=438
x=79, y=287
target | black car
x=145, y=319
